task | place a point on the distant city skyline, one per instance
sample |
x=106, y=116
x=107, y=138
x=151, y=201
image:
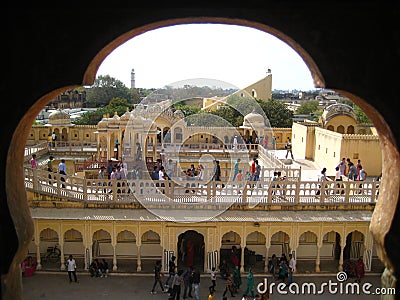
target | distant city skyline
x=237, y=56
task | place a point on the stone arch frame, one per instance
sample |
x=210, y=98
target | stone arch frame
x=384, y=233
x=223, y=252
x=105, y=250
x=349, y=247
x=65, y=250
x=257, y=250
x=43, y=247
x=305, y=232
x=285, y=231
x=117, y=250
x=225, y=231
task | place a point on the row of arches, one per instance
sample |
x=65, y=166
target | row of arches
x=192, y=247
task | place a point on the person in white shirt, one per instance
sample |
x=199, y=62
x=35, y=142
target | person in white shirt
x=292, y=268
x=235, y=143
x=71, y=267
x=170, y=168
x=162, y=175
x=338, y=175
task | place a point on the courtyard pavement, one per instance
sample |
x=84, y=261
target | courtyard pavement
x=55, y=285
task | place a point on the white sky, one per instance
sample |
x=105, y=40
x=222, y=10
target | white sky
x=234, y=54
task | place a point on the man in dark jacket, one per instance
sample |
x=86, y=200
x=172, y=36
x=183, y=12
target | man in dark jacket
x=171, y=270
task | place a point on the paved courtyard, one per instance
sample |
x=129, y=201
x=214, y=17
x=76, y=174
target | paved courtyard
x=55, y=285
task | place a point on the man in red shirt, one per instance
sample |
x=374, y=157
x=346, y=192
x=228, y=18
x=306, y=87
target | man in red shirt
x=253, y=168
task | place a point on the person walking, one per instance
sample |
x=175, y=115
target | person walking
x=229, y=286
x=217, y=174
x=71, y=267
x=196, y=284
x=50, y=167
x=288, y=147
x=322, y=178
x=62, y=169
x=292, y=268
x=213, y=277
x=176, y=286
x=237, y=279
x=187, y=282
x=171, y=270
x=253, y=168
x=33, y=161
x=250, y=284
x=257, y=171
x=342, y=166
x=157, y=277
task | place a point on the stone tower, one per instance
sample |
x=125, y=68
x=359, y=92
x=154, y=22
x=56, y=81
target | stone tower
x=133, y=79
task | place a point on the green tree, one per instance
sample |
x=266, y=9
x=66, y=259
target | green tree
x=104, y=89
x=117, y=105
x=307, y=107
x=361, y=116
x=187, y=109
x=277, y=113
x=115, y=102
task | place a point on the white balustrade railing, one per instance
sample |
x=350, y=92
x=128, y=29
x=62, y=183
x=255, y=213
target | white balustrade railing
x=263, y=192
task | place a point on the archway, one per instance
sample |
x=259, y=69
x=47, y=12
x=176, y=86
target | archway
x=150, y=250
x=48, y=241
x=191, y=250
x=280, y=244
x=306, y=253
x=230, y=249
x=73, y=244
x=354, y=247
x=126, y=251
x=330, y=251
x=101, y=246
x=255, y=252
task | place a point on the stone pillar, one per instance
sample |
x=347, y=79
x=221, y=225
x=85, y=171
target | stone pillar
x=62, y=258
x=38, y=258
x=340, y=267
x=318, y=260
x=242, y=245
x=139, y=260
x=267, y=246
x=115, y=265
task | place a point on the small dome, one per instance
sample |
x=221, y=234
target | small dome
x=114, y=121
x=126, y=116
x=103, y=122
x=60, y=117
x=253, y=119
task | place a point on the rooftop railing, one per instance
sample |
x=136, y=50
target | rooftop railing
x=200, y=193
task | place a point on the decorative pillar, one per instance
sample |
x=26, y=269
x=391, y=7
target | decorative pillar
x=115, y=266
x=242, y=245
x=340, y=267
x=139, y=260
x=62, y=258
x=267, y=246
x=38, y=258
x=154, y=147
x=318, y=260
